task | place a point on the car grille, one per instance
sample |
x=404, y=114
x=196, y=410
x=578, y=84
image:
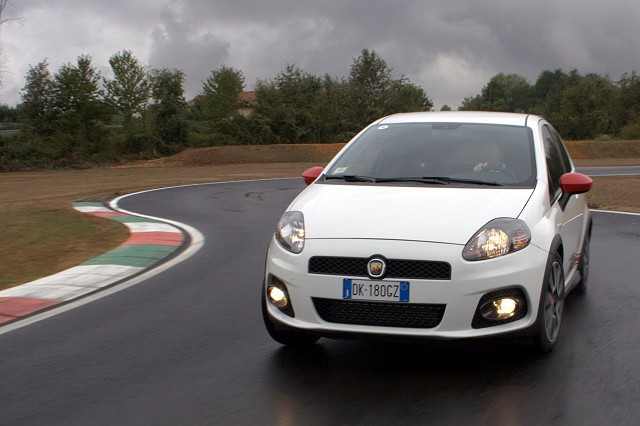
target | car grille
x=380, y=314
x=396, y=268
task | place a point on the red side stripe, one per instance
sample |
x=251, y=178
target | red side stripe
x=14, y=307
x=106, y=214
x=173, y=239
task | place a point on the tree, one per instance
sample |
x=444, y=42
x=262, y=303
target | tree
x=333, y=107
x=586, y=107
x=373, y=93
x=220, y=94
x=77, y=98
x=547, y=92
x=300, y=107
x=129, y=91
x=37, y=99
x=168, y=109
x=504, y=92
x=629, y=88
x=8, y=114
x=289, y=103
x=404, y=96
x=369, y=79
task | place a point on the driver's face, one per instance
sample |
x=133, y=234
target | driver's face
x=492, y=154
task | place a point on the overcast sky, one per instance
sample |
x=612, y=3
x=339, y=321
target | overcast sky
x=449, y=47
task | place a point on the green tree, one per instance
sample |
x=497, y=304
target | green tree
x=404, y=96
x=217, y=108
x=168, y=110
x=629, y=89
x=129, y=91
x=504, y=92
x=369, y=79
x=333, y=107
x=300, y=107
x=37, y=99
x=218, y=100
x=9, y=114
x=586, y=107
x=78, y=99
x=289, y=105
x=373, y=93
x=547, y=92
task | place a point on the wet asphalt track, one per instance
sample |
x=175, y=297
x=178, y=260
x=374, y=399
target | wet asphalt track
x=188, y=345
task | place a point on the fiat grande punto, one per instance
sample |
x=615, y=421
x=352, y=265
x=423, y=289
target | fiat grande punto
x=445, y=225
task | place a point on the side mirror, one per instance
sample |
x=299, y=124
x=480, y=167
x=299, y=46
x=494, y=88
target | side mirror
x=573, y=183
x=311, y=174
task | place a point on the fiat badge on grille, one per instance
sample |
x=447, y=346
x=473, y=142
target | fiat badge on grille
x=376, y=267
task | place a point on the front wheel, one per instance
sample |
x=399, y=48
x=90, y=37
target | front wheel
x=286, y=336
x=551, y=305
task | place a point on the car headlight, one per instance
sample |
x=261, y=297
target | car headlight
x=290, y=231
x=497, y=238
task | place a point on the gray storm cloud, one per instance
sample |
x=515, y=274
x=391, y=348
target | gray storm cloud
x=449, y=48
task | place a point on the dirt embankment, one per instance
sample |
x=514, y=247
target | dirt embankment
x=585, y=153
x=604, y=153
x=248, y=154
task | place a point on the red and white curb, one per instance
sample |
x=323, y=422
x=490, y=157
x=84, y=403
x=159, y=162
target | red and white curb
x=150, y=242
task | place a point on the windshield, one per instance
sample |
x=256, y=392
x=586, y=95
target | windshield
x=442, y=153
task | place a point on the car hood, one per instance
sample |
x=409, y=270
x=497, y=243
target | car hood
x=446, y=215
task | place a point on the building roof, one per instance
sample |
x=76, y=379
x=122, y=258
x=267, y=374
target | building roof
x=247, y=99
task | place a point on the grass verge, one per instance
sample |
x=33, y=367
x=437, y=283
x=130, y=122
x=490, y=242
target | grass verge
x=42, y=241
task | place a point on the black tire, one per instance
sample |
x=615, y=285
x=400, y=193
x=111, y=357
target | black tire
x=551, y=305
x=583, y=267
x=282, y=334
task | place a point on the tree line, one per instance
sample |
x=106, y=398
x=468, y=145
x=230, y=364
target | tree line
x=580, y=106
x=75, y=117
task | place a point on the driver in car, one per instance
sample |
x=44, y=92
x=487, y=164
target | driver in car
x=490, y=157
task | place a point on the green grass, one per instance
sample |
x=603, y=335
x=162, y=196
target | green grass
x=37, y=243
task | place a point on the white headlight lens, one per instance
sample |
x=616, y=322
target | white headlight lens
x=290, y=231
x=497, y=238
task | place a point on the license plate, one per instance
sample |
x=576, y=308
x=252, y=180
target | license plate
x=389, y=291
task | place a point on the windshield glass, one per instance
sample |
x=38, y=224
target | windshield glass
x=461, y=153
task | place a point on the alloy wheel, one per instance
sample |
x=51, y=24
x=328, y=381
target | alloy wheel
x=554, y=302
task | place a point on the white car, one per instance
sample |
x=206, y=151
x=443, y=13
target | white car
x=442, y=225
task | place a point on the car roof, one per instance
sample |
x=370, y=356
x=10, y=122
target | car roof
x=488, y=117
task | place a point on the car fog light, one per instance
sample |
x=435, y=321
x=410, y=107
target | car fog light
x=277, y=297
x=500, y=309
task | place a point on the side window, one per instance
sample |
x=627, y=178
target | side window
x=563, y=150
x=555, y=163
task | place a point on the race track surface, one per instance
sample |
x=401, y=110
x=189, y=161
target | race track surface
x=187, y=346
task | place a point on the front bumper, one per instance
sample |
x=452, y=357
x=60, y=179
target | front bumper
x=459, y=297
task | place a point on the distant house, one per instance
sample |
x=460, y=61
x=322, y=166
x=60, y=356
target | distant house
x=246, y=102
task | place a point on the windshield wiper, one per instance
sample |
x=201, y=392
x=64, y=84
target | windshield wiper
x=352, y=178
x=469, y=181
x=442, y=180
x=432, y=180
